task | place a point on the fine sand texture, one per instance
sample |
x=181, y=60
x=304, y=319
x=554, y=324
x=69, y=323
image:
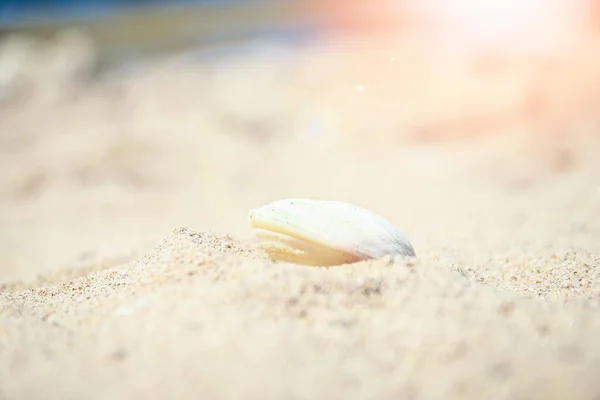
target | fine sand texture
x=128, y=269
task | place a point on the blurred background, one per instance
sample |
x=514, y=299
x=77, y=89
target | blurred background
x=123, y=120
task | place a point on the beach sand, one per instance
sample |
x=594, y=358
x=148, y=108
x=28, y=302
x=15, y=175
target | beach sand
x=128, y=269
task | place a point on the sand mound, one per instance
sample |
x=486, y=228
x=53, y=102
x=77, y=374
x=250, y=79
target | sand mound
x=202, y=316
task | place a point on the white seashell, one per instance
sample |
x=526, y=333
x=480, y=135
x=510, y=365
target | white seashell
x=321, y=232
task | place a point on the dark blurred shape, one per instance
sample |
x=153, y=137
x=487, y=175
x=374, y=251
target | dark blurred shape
x=15, y=11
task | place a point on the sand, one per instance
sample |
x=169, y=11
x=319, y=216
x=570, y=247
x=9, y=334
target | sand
x=128, y=269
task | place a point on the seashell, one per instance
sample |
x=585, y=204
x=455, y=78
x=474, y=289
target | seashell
x=325, y=233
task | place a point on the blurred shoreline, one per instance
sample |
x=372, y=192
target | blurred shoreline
x=134, y=34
